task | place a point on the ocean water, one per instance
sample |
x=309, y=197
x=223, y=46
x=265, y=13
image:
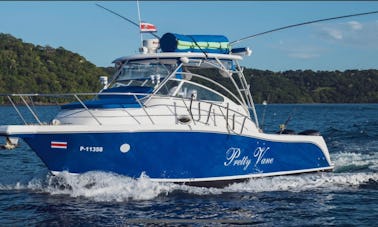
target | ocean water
x=29, y=195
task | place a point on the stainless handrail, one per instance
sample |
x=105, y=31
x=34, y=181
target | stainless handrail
x=206, y=120
x=31, y=111
x=17, y=110
x=144, y=109
x=86, y=108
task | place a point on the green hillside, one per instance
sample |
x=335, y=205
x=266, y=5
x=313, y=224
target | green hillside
x=350, y=86
x=28, y=68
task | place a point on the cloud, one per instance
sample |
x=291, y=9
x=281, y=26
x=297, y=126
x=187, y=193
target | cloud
x=333, y=33
x=303, y=55
x=355, y=25
x=351, y=33
x=326, y=38
x=304, y=51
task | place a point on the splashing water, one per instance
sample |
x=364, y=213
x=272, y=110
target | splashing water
x=354, y=167
x=100, y=186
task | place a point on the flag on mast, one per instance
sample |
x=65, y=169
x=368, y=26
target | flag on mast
x=147, y=27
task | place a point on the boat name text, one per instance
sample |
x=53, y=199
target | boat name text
x=232, y=157
x=259, y=155
x=91, y=149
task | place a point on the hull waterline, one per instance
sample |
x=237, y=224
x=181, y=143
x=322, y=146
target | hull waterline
x=192, y=158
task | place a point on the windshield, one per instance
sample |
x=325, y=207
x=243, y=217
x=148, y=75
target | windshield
x=188, y=90
x=142, y=74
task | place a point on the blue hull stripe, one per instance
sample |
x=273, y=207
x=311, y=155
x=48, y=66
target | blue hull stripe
x=173, y=155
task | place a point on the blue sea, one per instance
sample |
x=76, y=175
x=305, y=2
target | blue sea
x=348, y=196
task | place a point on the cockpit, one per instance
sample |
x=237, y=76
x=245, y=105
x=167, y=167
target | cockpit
x=147, y=76
x=143, y=74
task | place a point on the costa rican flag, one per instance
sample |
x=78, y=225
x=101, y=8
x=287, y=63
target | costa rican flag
x=147, y=27
x=58, y=144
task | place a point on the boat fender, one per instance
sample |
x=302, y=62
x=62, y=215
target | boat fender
x=310, y=132
x=55, y=122
x=184, y=60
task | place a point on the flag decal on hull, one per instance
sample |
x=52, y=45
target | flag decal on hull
x=59, y=144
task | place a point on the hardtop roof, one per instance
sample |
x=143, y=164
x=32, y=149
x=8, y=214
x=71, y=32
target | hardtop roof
x=177, y=55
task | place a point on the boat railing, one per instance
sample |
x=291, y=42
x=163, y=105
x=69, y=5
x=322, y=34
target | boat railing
x=197, y=114
x=225, y=111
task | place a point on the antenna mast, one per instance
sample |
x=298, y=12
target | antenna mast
x=140, y=21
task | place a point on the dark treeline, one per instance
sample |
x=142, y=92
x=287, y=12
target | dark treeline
x=307, y=86
x=28, y=68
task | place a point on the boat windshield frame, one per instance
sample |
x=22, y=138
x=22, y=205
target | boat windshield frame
x=141, y=73
x=227, y=64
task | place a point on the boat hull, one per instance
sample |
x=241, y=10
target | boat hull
x=196, y=158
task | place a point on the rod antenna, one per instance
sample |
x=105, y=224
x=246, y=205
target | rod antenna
x=300, y=24
x=140, y=22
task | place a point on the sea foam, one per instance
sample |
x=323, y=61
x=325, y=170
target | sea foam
x=352, y=170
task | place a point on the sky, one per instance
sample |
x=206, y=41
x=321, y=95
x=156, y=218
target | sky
x=101, y=37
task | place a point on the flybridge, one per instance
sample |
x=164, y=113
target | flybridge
x=206, y=44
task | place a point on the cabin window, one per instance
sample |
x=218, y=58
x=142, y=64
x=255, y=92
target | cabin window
x=187, y=90
x=169, y=88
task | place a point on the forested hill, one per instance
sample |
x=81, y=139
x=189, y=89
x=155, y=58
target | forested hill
x=27, y=68
x=307, y=86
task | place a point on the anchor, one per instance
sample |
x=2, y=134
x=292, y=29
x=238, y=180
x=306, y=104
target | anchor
x=10, y=143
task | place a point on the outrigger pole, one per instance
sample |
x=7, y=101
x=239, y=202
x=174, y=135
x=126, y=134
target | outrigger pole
x=300, y=24
x=127, y=19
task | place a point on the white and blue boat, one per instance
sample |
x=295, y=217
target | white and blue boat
x=160, y=116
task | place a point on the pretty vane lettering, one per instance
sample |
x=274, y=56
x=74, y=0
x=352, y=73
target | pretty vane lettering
x=259, y=155
x=233, y=158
